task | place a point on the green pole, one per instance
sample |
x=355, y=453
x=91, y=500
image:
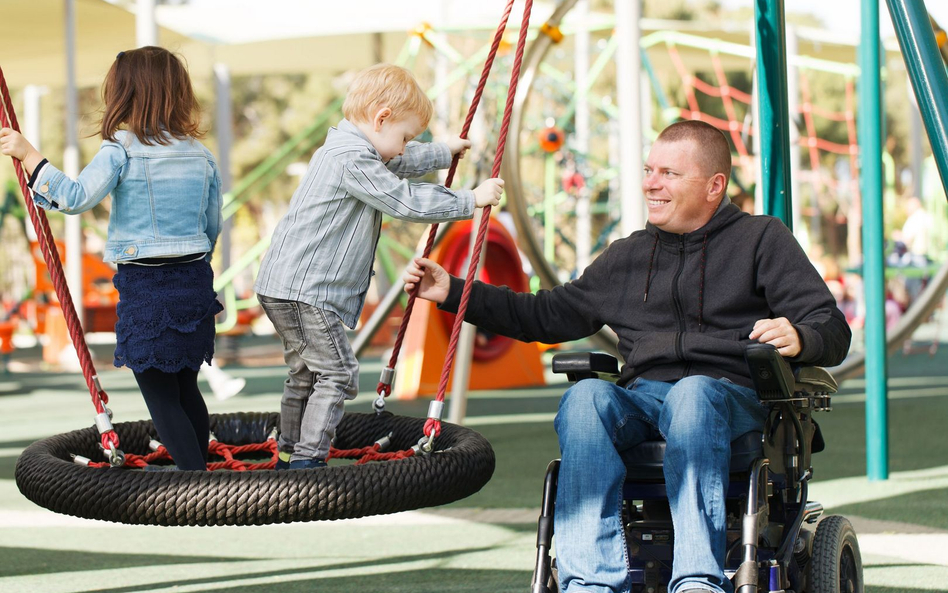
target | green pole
x=870, y=173
x=774, y=124
x=927, y=72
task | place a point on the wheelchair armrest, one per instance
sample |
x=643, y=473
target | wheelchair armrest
x=586, y=365
x=774, y=379
x=814, y=380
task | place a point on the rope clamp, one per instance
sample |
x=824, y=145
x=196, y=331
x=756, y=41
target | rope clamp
x=154, y=444
x=384, y=442
x=387, y=376
x=80, y=460
x=103, y=422
x=273, y=434
x=435, y=409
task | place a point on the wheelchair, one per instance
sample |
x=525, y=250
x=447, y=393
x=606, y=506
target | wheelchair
x=777, y=540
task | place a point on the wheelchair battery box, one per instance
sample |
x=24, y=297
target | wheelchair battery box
x=650, y=558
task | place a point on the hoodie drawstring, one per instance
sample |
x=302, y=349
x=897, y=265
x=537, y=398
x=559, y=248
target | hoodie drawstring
x=651, y=258
x=704, y=254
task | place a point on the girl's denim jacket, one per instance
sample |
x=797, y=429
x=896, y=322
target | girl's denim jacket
x=166, y=199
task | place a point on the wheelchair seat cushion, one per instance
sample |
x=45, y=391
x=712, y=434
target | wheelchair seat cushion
x=644, y=461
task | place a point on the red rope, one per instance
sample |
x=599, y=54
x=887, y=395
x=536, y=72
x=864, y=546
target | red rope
x=433, y=425
x=51, y=256
x=229, y=455
x=385, y=387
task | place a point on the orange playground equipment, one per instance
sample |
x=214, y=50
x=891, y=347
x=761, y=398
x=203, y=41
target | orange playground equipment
x=498, y=362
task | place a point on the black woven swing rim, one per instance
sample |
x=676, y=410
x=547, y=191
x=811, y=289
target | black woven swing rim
x=460, y=466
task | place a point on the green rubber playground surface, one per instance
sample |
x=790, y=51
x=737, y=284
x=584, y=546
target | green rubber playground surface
x=483, y=543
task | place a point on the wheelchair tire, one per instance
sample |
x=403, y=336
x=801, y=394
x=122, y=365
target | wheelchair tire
x=836, y=565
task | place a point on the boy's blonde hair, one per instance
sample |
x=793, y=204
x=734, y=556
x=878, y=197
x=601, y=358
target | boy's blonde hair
x=385, y=85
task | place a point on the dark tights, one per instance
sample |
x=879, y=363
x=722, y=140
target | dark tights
x=180, y=416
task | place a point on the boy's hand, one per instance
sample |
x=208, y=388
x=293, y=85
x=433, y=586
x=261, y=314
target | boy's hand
x=488, y=193
x=12, y=143
x=458, y=145
x=433, y=282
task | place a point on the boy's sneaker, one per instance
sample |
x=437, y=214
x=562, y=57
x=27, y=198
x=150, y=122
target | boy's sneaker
x=308, y=463
x=160, y=468
x=283, y=461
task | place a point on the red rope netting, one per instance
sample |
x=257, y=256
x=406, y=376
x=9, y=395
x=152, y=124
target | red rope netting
x=736, y=128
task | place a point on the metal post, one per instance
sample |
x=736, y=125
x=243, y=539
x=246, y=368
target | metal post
x=916, y=150
x=581, y=135
x=793, y=139
x=71, y=163
x=32, y=118
x=927, y=72
x=224, y=125
x=628, y=89
x=146, y=29
x=461, y=377
x=773, y=125
x=870, y=171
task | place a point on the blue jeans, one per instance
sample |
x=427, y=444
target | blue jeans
x=322, y=374
x=698, y=417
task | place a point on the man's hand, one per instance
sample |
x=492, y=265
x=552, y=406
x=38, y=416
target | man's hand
x=458, y=145
x=432, y=280
x=779, y=333
x=488, y=193
x=12, y=143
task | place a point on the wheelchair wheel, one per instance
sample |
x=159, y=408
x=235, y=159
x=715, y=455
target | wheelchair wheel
x=836, y=565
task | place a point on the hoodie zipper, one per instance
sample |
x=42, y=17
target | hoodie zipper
x=676, y=297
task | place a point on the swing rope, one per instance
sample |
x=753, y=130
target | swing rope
x=433, y=424
x=432, y=428
x=388, y=373
x=109, y=438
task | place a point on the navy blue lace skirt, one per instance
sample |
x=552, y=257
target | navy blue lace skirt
x=165, y=316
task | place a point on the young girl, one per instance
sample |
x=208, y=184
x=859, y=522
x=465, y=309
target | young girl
x=164, y=222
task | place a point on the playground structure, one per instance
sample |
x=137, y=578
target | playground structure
x=548, y=191
x=690, y=75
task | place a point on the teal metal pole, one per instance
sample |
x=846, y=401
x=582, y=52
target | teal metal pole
x=774, y=124
x=870, y=151
x=927, y=71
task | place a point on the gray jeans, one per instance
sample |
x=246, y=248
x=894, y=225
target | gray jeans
x=323, y=372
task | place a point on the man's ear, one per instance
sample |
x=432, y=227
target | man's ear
x=380, y=116
x=717, y=186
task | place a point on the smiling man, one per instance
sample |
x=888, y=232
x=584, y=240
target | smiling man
x=685, y=296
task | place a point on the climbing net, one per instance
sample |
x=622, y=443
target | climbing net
x=689, y=77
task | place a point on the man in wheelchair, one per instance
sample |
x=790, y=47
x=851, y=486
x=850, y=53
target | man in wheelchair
x=685, y=296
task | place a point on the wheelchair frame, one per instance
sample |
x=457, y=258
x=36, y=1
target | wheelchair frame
x=786, y=547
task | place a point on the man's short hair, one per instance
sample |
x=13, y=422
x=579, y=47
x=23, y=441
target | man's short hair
x=385, y=85
x=715, y=150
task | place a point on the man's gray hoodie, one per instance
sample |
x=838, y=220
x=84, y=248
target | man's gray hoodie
x=681, y=305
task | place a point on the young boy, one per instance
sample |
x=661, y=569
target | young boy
x=315, y=275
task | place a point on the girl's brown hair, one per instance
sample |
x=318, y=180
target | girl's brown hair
x=148, y=90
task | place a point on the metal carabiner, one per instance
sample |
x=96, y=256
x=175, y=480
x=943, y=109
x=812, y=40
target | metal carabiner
x=379, y=405
x=116, y=457
x=428, y=446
